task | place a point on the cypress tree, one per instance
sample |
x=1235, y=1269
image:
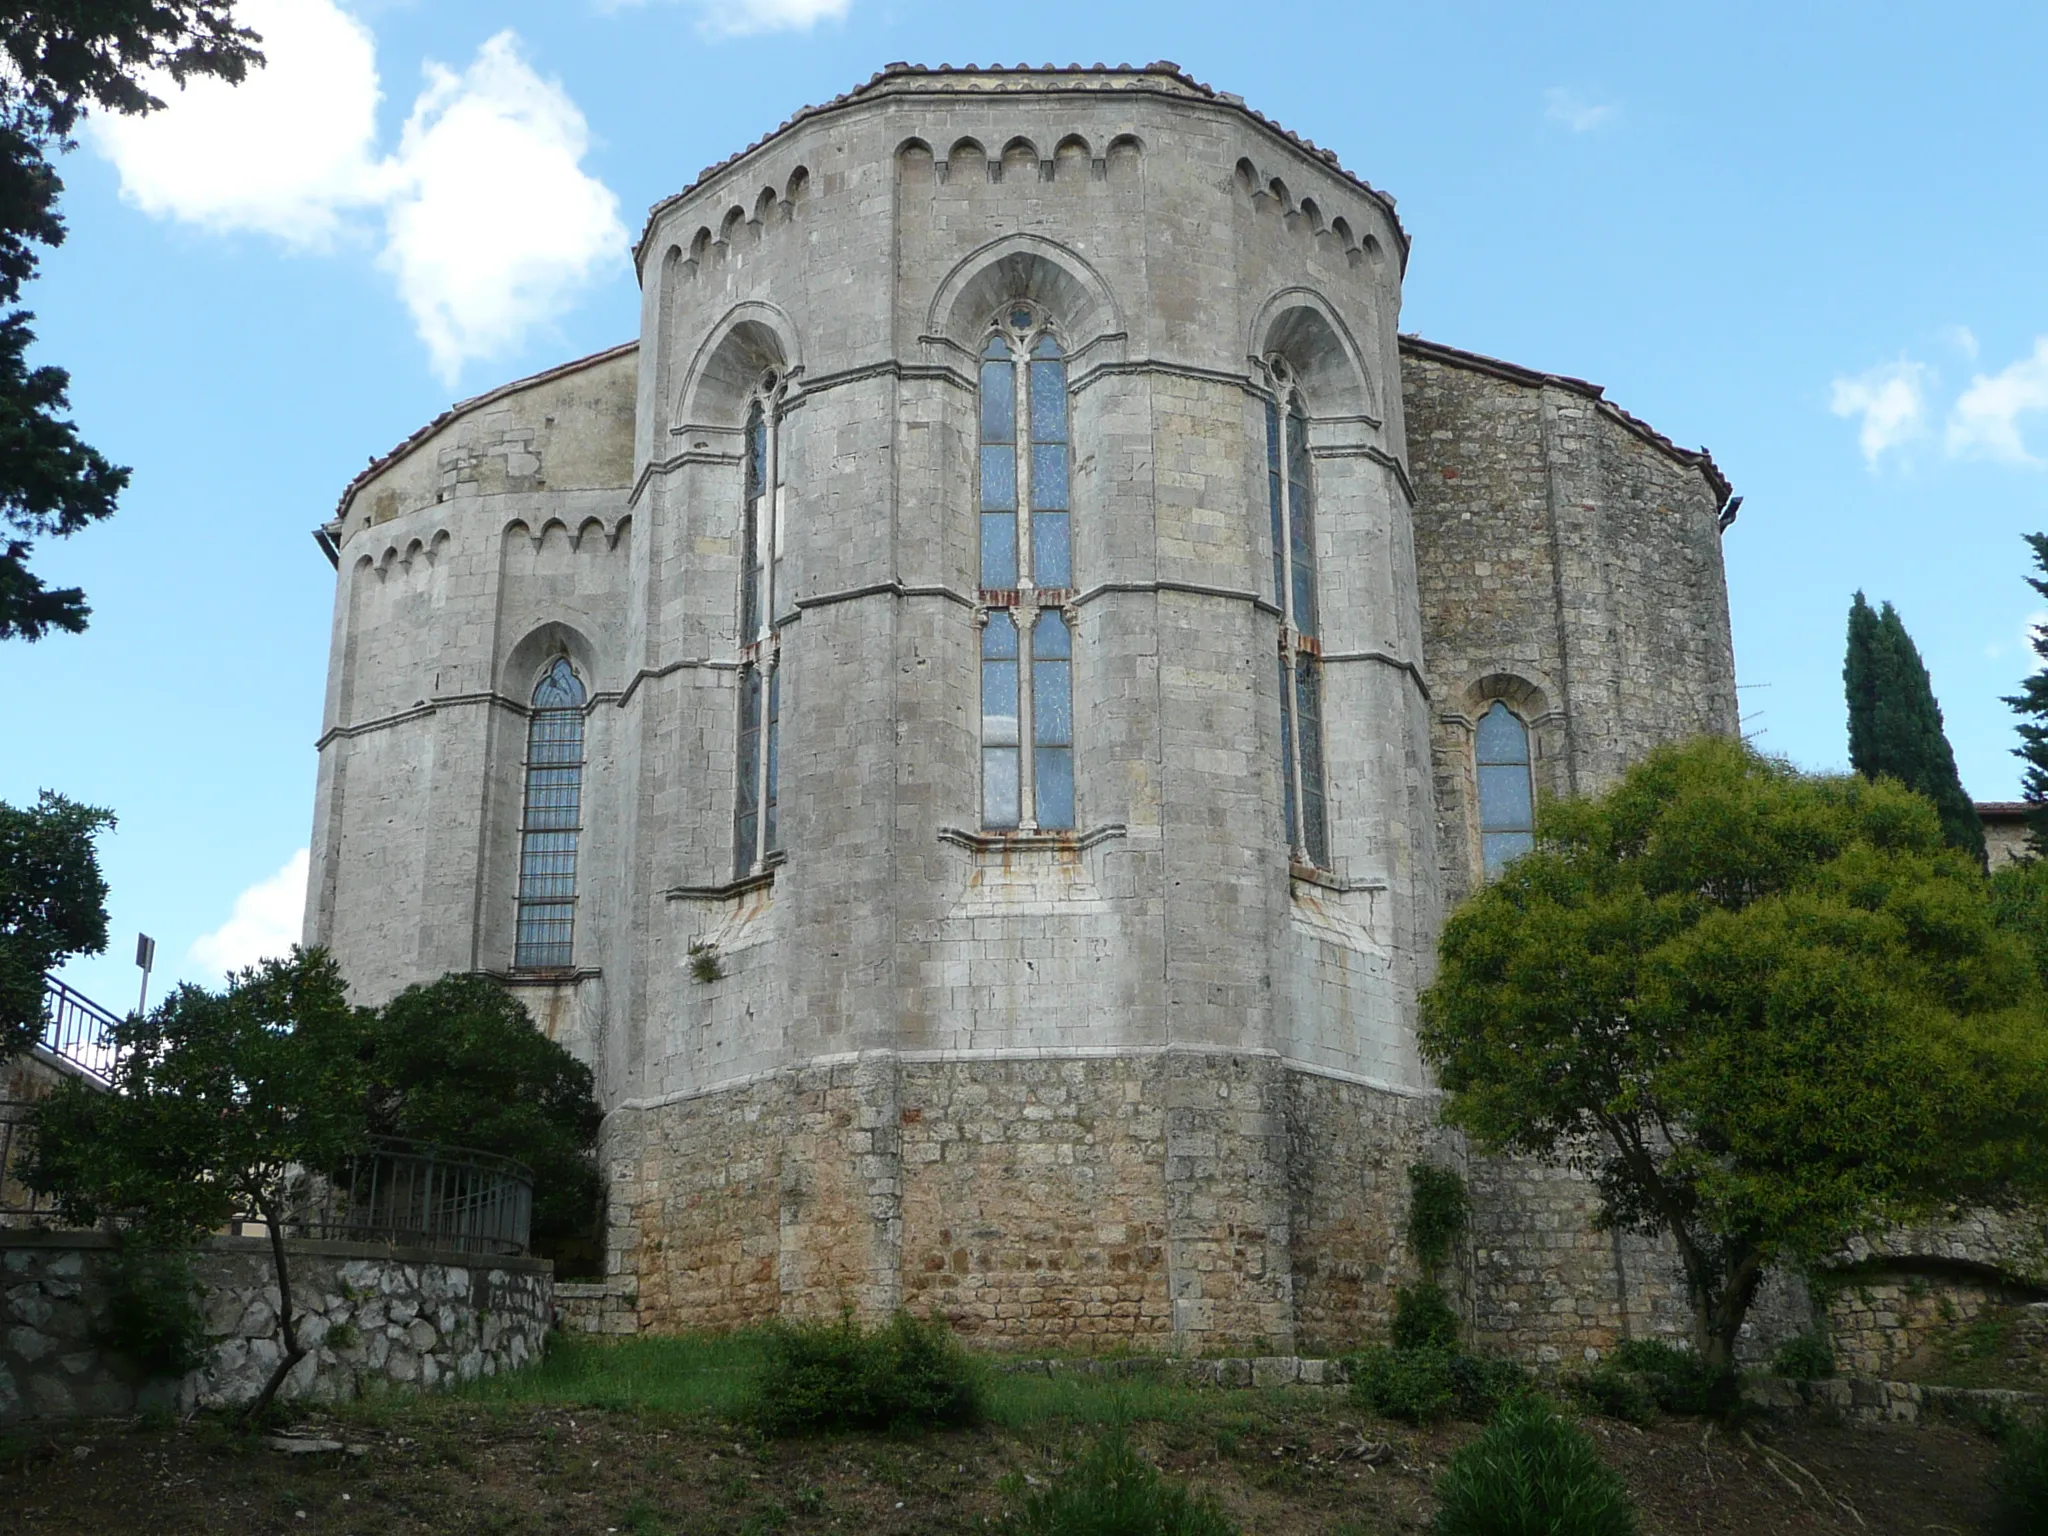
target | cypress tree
x=1895, y=724
x=2031, y=704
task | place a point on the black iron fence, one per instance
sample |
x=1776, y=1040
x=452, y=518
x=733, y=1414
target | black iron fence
x=415, y=1194
x=78, y=1031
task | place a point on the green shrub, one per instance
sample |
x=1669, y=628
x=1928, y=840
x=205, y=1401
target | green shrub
x=2019, y=1483
x=1113, y=1491
x=1438, y=1209
x=906, y=1374
x=1420, y=1386
x=153, y=1316
x=1531, y=1473
x=1645, y=1377
x=1423, y=1318
x=1805, y=1357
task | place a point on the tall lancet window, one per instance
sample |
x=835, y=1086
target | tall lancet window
x=1507, y=800
x=1290, y=489
x=1027, y=574
x=552, y=819
x=762, y=599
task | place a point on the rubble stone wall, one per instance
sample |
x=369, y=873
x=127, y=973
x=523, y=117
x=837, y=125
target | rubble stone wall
x=372, y=1318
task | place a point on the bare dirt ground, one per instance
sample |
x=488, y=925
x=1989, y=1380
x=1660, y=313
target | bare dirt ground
x=1306, y=1463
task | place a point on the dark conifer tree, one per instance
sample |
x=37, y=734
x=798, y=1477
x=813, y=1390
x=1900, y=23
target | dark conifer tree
x=2031, y=703
x=1895, y=724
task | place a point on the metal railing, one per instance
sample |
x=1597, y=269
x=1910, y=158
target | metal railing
x=19, y=1205
x=78, y=1031
x=419, y=1195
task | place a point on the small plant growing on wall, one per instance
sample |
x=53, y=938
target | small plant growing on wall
x=704, y=963
x=153, y=1317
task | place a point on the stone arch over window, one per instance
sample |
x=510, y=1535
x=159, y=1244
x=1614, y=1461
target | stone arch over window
x=534, y=651
x=1299, y=325
x=1507, y=717
x=1027, y=571
x=1031, y=268
x=752, y=339
x=551, y=819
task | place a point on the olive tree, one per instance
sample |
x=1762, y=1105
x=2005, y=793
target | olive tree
x=1765, y=1011
x=221, y=1103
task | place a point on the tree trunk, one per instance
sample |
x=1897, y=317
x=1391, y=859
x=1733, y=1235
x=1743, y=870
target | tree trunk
x=288, y=1335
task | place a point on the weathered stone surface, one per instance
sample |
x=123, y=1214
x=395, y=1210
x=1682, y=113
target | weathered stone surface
x=495, y=1315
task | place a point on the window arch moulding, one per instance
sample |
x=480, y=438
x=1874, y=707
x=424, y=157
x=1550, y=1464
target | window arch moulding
x=751, y=339
x=1032, y=268
x=1301, y=326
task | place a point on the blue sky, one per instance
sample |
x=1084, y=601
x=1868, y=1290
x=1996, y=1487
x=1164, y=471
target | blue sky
x=1810, y=237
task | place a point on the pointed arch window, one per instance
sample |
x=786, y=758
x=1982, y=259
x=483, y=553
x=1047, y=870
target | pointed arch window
x=1290, y=489
x=763, y=528
x=551, y=822
x=1027, y=573
x=1507, y=798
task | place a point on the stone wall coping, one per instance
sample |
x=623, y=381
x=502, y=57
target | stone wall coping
x=452, y=1258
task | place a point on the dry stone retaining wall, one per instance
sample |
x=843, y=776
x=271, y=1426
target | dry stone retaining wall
x=372, y=1317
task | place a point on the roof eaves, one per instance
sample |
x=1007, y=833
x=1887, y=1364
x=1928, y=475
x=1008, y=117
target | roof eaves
x=902, y=71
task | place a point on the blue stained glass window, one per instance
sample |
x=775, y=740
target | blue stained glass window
x=1507, y=800
x=1052, y=720
x=753, y=524
x=1052, y=549
x=1309, y=719
x=998, y=478
x=1001, y=785
x=1287, y=750
x=551, y=823
x=999, y=399
x=998, y=550
x=1301, y=509
x=747, y=779
x=769, y=841
x=1048, y=479
x=1277, y=496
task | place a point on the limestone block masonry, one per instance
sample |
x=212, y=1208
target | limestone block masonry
x=371, y=1317
x=1148, y=1078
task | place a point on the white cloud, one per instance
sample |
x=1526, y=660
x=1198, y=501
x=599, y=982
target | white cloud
x=265, y=924
x=1985, y=421
x=742, y=18
x=490, y=222
x=1892, y=400
x=285, y=153
x=1962, y=338
x=1562, y=105
x=498, y=225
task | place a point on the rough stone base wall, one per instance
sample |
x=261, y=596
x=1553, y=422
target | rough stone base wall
x=1551, y=1288
x=371, y=1317
x=1160, y=1200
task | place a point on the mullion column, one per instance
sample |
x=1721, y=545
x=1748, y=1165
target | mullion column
x=1027, y=596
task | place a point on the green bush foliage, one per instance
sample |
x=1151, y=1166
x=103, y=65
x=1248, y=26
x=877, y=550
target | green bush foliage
x=1421, y=1386
x=2019, y=1483
x=153, y=1317
x=1113, y=1491
x=459, y=1062
x=1643, y=1378
x=1438, y=1210
x=1531, y=1472
x=1805, y=1357
x=1766, y=1010
x=1423, y=1318
x=907, y=1374
x=53, y=899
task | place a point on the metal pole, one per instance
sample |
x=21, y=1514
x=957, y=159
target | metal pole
x=145, y=957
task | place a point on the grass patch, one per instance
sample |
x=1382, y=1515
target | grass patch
x=907, y=1374
x=1531, y=1470
x=695, y=1375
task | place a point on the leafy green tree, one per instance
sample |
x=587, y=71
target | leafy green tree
x=1895, y=724
x=63, y=58
x=2031, y=704
x=221, y=1102
x=1765, y=1011
x=459, y=1062
x=53, y=905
